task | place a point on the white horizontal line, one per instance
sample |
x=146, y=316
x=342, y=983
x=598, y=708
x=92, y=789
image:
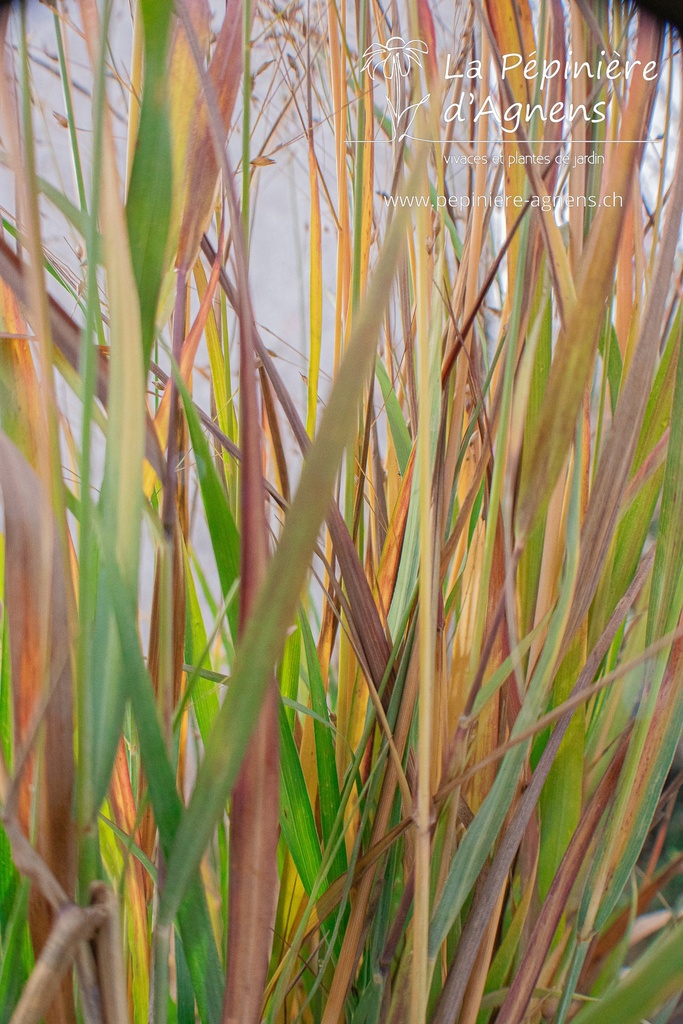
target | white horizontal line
x=500, y=142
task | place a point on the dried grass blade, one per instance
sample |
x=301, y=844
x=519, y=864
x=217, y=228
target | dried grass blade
x=73, y=925
x=225, y=72
x=108, y=956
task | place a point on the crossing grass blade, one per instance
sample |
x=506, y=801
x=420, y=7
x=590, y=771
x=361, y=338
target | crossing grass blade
x=274, y=609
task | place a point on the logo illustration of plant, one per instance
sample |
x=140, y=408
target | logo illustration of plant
x=396, y=58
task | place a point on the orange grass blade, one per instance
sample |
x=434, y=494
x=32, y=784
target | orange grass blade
x=225, y=73
x=315, y=293
x=21, y=416
x=38, y=602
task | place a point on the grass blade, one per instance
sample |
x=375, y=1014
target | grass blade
x=276, y=603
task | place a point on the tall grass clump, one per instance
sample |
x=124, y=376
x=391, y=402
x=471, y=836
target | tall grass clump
x=341, y=652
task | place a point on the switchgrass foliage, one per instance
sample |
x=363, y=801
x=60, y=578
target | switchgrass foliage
x=350, y=690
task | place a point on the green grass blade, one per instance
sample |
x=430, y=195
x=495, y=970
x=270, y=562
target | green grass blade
x=397, y=424
x=296, y=813
x=204, y=695
x=647, y=985
x=192, y=910
x=224, y=536
x=328, y=783
x=148, y=209
x=290, y=668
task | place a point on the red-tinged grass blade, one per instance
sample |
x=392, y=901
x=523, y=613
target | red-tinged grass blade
x=254, y=811
x=554, y=906
x=166, y=667
x=503, y=961
x=425, y=22
x=253, y=877
x=225, y=72
x=573, y=363
x=366, y=619
x=38, y=606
